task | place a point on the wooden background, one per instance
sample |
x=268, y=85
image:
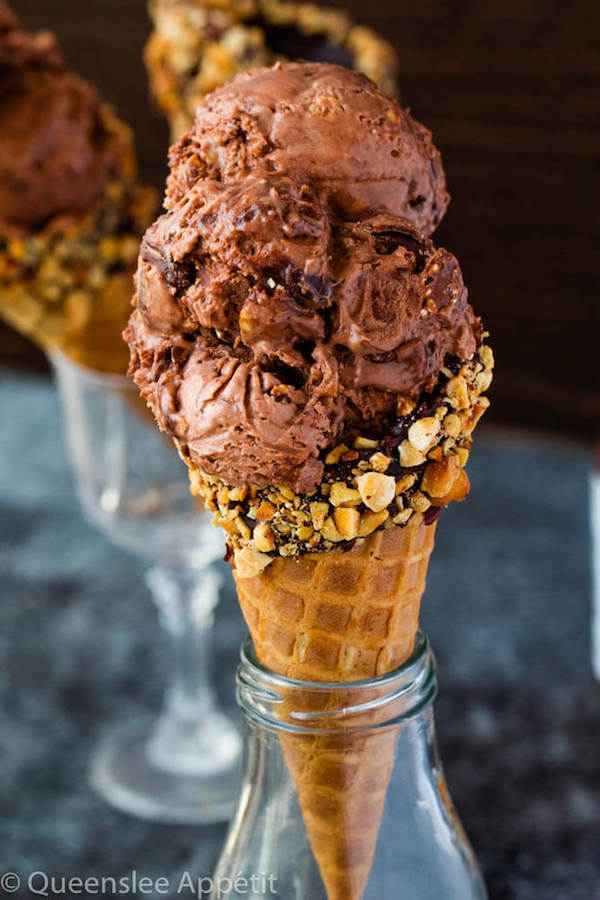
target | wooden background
x=511, y=90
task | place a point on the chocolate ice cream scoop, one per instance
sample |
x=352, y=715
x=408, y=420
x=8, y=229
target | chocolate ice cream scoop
x=18, y=48
x=304, y=120
x=56, y=152
x=274, y=318
x=72, y=210
x=8, y=20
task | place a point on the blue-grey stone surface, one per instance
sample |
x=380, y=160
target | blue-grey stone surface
x=507, y=611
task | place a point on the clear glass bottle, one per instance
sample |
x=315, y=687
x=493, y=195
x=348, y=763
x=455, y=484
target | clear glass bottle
x=407, y=843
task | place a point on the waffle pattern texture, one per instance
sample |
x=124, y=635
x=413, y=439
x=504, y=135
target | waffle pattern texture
x=342, y=781
x=340, y=616
x=335, y=617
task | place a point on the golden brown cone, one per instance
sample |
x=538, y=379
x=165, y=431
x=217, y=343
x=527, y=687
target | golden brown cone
x=88, y=330
x=100, y=345
x=341, y=616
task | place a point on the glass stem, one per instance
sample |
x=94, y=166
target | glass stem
x=186, y=599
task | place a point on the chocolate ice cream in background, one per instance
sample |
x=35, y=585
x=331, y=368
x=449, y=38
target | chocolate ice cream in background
x=198, y=45
x=289, y=303
x=56, y=152
x=71, y=209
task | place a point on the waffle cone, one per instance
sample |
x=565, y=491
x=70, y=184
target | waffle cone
x=88, y=330
x=337, y=617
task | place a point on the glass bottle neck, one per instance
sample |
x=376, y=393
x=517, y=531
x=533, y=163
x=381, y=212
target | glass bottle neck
x=278, y=703
x=343, y=795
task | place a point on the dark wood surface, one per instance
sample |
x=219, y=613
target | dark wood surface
x=511, y=90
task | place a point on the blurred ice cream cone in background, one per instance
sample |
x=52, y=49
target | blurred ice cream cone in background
x=198, y=45
x=72, y=210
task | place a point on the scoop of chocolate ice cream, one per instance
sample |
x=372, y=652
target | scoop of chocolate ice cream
x=56, y=152
x=8, y=20
x=303, y=120
x=273, y=320
x=18, y=48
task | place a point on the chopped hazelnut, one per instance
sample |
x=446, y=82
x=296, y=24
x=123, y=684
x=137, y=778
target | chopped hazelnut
x=228, y=525
x=335, y=455
x=483, y=381
x=409, y=455
x=370, y=521
x=329, y=531
x=458, y=491
x=265, y=511
x=447, y=447
x=405, y=483
x=452, y=425
x=196, y=486
x=376, y=490
x=363, y=443
x=347, y=521
x=249, y=563
x=423, y=433
x=319, y=512
x=440, y=476
x=342, y=495
x=471, y=417
x=420, y=502
x=457, y=392
x=486, y=355
x=463, y=455
x=379, y=462
x=404, y=406
x=243, y=529
x=263, y=537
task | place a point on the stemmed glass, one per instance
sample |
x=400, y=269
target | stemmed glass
x=181, y=766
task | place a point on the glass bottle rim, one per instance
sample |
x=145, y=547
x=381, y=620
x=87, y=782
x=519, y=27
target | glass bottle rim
x=366, y=704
